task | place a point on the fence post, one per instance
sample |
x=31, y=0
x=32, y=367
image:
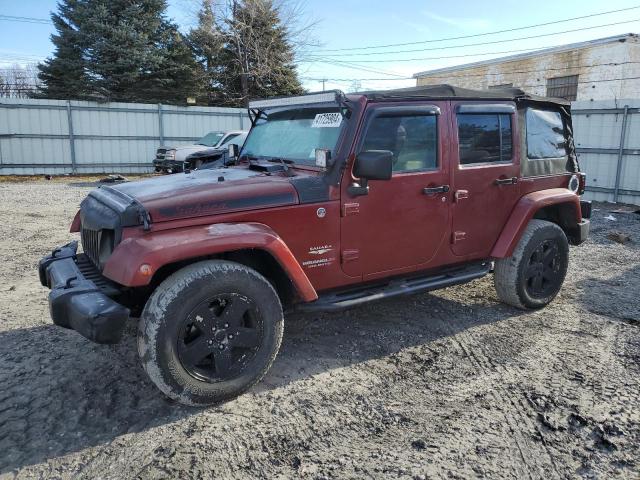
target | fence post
x=160, y=125
x=72, y=143
x=623, y=135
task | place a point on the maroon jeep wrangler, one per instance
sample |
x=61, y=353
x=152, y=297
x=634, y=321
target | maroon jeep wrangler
x=334, y=200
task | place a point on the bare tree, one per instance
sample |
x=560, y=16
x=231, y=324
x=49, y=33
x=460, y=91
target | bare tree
x=18, y=81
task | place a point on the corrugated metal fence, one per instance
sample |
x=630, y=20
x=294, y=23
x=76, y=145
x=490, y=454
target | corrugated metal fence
x=57, y=136
x=607, y=136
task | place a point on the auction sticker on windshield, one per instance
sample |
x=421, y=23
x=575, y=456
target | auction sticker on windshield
x=324, y=120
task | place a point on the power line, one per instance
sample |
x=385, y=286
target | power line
x=481, y=43
x=355, y=66
x=528, y=50
x=555, y=22
x=13, y=18
x=470, y=75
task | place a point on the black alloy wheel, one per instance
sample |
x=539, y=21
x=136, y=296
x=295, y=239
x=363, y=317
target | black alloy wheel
x=533, y=275
x=543, y=274
x=210, y=331
x=220, y=337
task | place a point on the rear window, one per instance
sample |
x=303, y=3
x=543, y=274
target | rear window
x=484, y=138
x=545, y=134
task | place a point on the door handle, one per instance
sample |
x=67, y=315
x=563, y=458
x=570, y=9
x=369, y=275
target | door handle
x=433, y=190
x=506, y=181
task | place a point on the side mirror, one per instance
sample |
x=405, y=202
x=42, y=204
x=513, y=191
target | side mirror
x=371, y=165
x=233, y=151
x=374, y=165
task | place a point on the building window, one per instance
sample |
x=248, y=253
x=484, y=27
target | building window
x=484, y=138
x=502, y=85
x=563, y=87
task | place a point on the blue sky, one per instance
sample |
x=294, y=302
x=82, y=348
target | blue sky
x=357, y=23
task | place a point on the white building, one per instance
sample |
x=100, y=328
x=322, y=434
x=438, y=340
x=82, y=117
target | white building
x=602, y=69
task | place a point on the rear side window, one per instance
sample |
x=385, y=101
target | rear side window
x=484, y=138
x=545, y=134
x=412, y=139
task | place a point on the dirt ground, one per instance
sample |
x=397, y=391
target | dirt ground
x=449, y=384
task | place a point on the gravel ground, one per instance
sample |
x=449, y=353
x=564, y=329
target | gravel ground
x=449, y=384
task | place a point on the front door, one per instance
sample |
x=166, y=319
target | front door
x=486, y=171
x=401, y=223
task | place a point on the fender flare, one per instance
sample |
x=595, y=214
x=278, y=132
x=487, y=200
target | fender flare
x=161, y=248
x=524, y=211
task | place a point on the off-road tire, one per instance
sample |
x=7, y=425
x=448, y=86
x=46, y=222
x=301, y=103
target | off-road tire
x=175, y=299
x=510, y=273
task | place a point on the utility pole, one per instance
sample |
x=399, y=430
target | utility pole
x=323, y=80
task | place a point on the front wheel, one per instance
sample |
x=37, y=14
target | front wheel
x=210, y=331
x=533, y=275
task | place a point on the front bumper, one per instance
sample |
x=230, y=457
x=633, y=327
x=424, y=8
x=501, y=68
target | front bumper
x=77, y=303
x=158, y=165
x=581, y=232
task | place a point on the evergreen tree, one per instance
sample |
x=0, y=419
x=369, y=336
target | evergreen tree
x=136, y=54
x=65, y=75
x=207, y=42
x=180, y=75
x=257, y=59
x=128, y=51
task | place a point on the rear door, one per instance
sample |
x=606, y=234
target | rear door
x=398, y=226
x=486, y=170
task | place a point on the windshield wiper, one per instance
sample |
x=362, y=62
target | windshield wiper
x=283, y=162
x=279, y=160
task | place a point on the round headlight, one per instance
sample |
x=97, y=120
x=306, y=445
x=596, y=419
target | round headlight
x=574, y=184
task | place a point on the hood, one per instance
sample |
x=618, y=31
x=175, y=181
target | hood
x=209, y=151
x=208, y=192
x=179, y=148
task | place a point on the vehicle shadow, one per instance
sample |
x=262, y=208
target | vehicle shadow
x=62, y=394
x=621, y=293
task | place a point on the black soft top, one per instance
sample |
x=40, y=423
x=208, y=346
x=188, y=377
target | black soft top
x=441, y=92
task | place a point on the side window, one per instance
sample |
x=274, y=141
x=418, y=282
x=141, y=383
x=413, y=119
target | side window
x=413, y=139
x=484, y=138
x=545, y=134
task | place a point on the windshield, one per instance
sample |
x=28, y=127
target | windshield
x=229, y=138
x=211, y=139
x=237, y=139
x=295, y=134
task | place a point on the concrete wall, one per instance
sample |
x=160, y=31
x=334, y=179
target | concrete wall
x=596, y=80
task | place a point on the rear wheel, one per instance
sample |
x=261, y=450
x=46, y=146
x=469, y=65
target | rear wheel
x=533, y=275
x=210, y=331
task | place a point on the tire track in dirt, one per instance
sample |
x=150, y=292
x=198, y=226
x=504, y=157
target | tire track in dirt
x=519, y=407
x=461, y=339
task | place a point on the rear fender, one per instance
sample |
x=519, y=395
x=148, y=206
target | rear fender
x=157, y=249
x=525, y=210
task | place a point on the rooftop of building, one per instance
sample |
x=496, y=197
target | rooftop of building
x=634, y=37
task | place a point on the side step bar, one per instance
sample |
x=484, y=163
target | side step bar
x=406, y=286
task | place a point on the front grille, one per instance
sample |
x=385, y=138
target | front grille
x=91, y=272
x=91, y=244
